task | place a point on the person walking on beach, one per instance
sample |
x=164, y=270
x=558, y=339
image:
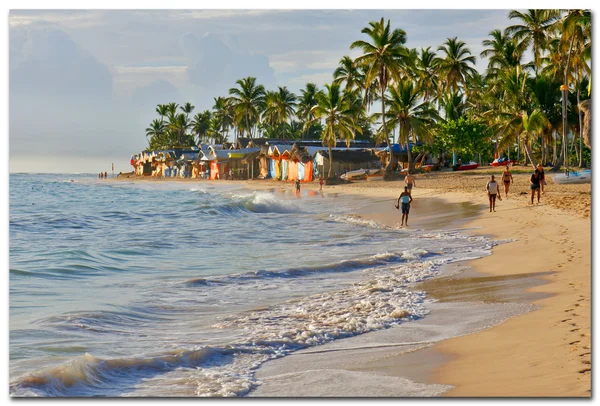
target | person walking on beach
x=298, y=187
x=105, y=175
x=507, y=179
x=535, y=185
x=409, y=181
x=541, y=175
x=493, y=192
x=406, y=199
x=321, y=183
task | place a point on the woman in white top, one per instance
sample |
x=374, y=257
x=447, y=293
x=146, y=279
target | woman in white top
x=492, y=189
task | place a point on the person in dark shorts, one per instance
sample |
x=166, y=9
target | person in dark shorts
x=298, y=187
x=409, y=181
x=541, y=175
x=406, y=200
x=507, y=179
x=493, y=191
x=535, y=185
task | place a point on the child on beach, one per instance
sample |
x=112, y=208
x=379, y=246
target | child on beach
x=406, y=199
x=493, y=191
x=298, y=187
x=507, y=178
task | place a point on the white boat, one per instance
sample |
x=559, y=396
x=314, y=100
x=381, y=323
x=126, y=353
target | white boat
x=354, y=174
x=584, y=176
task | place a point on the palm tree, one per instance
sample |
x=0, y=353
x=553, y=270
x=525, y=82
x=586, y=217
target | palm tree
x=307, y=101
x=347, y=72
x=386, y=58
x=248, y=101
x=503, y=51
x=223, y=113
x=201, y=124
x=426, y=72
x=187, y=108
x=408, y=111
x=533, y=30
x=162, y=111
x=525, y=126
x=338, y=113
x=457, y=66
x=279, y=106
x=179, y=126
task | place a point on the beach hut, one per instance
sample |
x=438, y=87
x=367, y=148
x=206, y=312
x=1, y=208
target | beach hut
x=346, y=160
x=302, y=163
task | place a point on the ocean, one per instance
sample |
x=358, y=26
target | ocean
x=185, y=289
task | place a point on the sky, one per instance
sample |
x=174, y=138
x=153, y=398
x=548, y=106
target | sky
x=84, y=84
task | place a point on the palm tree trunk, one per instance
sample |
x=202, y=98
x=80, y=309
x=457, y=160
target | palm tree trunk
x=330, y=174
x=391, y=161
x=554, y=147
x=528, y=151
x=580, y=131
x=408, y=152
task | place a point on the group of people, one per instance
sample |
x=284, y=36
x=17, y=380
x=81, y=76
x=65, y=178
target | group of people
x=537, y=182
x=103, y=175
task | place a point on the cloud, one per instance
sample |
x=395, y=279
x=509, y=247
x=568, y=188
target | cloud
x=215, y=66
x=46, y=63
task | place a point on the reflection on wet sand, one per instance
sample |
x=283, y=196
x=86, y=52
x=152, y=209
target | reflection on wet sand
x=471, y=286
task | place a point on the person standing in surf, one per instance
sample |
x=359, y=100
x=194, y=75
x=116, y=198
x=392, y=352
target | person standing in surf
x=493, y=192
x=507, y=179
x=321, y=183
x=406, y=199
x=298, y=187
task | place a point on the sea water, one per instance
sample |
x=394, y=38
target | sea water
x=186, y=288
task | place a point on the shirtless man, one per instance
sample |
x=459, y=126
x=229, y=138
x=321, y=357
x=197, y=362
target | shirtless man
x=406, y=200
x=409, y=181
x=507, y=179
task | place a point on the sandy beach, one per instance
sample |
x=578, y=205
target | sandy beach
x=543, y=261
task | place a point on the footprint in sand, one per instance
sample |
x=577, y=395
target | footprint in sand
x=574, y=330
x=574, y=342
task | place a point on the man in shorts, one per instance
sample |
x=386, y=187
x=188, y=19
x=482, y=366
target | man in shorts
x=406, y=200
x=409, y=181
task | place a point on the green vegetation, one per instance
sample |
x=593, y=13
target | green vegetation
x=434, y=99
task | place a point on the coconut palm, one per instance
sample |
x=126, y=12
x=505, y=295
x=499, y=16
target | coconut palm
x=533, y=30
x=201, y=124
x=187, y=108
x=248, y=101
x=347, y=72
x=386, y=58
x=179, y=126
x=279, y=106
x=503, y=51
x=338, y=113
x=162, y=111
x=306, y=102
x=526, y=127
x=456, y=66
x=427, y=76
x=407, y=111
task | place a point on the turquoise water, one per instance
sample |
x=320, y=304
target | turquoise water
x=184, y=289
